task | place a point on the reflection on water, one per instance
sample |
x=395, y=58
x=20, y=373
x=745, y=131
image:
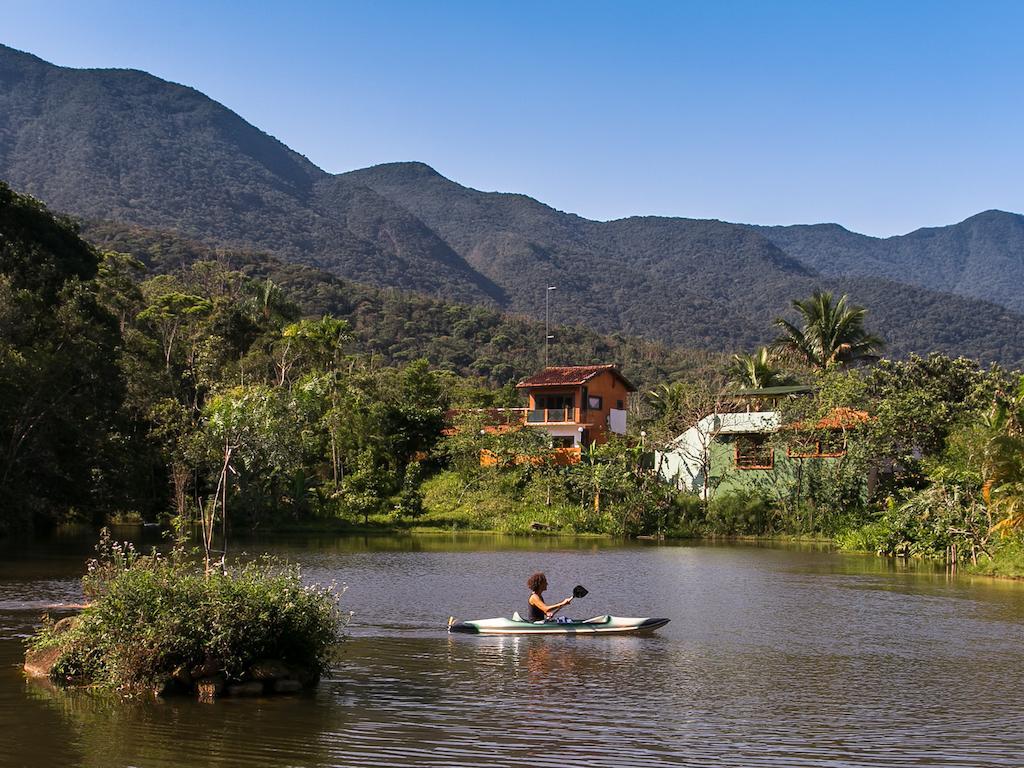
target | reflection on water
x=775, y=657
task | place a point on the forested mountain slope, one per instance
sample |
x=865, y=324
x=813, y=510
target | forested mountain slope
x=697, y=282
x=125, y=146
x=982, y=256
x=395, y=327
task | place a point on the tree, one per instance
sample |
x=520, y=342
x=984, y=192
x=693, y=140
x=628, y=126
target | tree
x=1004, y=462
x=252, y=438
x=317, y=343
x=169, y=311
x=60, y=384
x=831, y=334
x=686, y=422
x=666, y=400
x=917, y=404
x=756, y=371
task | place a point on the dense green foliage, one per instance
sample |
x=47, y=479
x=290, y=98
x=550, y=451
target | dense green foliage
x=478, y=344
x=152, y=617
x=935, y=471
x=609, y=490
x=60, y=431
x=99, y=143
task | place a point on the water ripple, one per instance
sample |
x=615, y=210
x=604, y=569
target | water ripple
x=773, y=658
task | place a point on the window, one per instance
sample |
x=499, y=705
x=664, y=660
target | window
x=561, y=441
x=554, y=408
x=594, y=402
x=553, y=401
x=754, y=452
x=619, y=405
x=822, y=446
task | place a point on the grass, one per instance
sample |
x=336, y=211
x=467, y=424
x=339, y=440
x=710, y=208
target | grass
x=449, y=504
x=1007, y=561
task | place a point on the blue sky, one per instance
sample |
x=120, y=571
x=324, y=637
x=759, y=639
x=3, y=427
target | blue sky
x=881, y=116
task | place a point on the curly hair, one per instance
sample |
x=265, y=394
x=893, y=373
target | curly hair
x=537, y=583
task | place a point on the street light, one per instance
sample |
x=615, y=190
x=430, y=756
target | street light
x=547, y=320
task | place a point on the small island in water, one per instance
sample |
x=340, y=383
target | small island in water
x=177, y=625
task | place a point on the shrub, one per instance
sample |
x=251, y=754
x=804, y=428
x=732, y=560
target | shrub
x=739, y=513
x=154, y=617
x=1007, y=560
x=871, y=537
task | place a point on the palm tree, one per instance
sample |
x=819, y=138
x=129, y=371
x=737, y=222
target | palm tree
x=832, y=335
x=756, y=371
x=666, y=399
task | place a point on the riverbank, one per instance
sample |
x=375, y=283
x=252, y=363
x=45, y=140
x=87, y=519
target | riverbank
x=387, y=533
x=522, y=502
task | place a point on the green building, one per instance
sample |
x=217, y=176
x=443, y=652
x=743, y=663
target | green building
x=745, y=447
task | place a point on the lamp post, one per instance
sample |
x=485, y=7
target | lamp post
x=547, y=321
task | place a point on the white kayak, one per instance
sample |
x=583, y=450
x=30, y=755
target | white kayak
x=599, y=625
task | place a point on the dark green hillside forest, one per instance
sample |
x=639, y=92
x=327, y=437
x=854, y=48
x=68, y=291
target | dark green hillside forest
x=477, y=343
x=128, y=388
x=157, y=377
x=980, y=256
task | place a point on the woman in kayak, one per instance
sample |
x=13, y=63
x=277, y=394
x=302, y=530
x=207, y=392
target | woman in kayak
x=539, y=610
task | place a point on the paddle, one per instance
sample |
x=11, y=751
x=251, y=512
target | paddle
x=578, y=591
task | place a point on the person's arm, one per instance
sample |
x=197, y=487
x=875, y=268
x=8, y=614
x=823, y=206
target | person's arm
x=549, y=610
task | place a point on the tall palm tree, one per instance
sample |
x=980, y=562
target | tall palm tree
x=832, y=333
x=756, y=371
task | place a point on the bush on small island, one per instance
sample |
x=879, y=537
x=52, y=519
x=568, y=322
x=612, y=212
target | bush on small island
x=164, y=624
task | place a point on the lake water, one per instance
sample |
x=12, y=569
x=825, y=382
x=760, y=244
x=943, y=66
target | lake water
x=775, y=657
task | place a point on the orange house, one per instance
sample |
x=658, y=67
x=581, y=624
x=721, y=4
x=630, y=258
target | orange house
x=577, y=405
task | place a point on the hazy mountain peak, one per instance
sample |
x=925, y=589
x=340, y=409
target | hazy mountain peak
x=994, y=216
x=407, y=170
x=8, y=54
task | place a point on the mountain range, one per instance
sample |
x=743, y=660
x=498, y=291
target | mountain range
x=128, y=147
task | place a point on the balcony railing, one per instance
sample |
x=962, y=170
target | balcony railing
x=551, y=416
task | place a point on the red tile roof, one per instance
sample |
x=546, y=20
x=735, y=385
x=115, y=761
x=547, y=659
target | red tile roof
x=838, y=418
x=843, y=418
x=571, y=376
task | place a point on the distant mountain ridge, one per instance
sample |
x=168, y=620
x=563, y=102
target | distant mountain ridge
x=125, y=146
x=982, y=256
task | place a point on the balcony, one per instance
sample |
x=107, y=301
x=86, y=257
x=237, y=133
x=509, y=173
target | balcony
x=551, y=416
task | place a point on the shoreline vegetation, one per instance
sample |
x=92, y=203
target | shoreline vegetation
x=201, y=391
x=169, y=625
